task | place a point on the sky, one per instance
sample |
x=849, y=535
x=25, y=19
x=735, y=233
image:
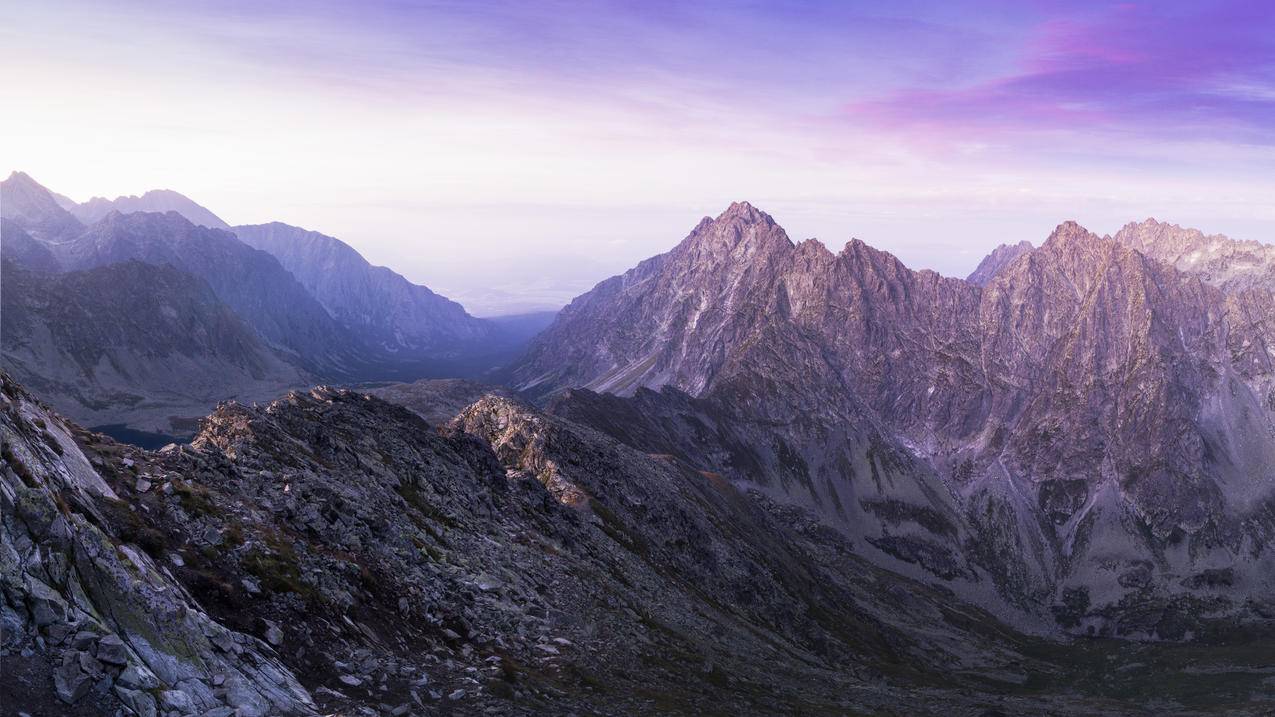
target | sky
x=513, y=154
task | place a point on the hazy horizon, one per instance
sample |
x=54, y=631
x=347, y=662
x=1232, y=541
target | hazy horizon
x=510, y=156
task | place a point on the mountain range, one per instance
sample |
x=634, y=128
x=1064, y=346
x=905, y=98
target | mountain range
x=747, y=476
x=1089, y=426
x=311, y=301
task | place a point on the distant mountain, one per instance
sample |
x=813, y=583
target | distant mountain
x=156, y=200
x=21, y=248
x=1229, y=264
x=388, y=326
x=249, y=281
x=132, y=343
x=64, y=201
x=1059, y=429
x=1000, y=257
x=324, y=309
x=382, y=307
x=34, y=209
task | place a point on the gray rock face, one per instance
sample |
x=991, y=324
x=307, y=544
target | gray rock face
x=67, y=579
x=1229, y=264
x=530, y=562
x=381, y=306
x=1082, y=414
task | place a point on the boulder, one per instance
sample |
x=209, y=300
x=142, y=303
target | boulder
x=141, y=703
x=112, y=650
x=69, y=681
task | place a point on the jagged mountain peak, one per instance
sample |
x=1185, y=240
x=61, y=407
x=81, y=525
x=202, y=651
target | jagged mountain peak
x=169, y=221
x=859, y=248
x=19, y=177
x=1070, y=232
x=740, y=232
x=746, y=212
x=1151, y=234
x=1001, y=257
x=33, y=207
x=1231, y=264
x=153, y=201
x=1083, y=363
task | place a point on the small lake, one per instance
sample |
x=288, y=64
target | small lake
x=141, y=439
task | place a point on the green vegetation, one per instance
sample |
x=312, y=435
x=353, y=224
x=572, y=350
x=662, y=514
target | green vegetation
x=129, y=527
x=194, y=498
x=277, y=567
x=20, y=468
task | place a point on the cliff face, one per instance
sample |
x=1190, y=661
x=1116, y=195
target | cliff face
x=1081, y=415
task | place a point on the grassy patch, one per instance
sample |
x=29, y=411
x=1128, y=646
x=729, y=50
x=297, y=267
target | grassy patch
x=20, y=468
x=194, y=498
x=276, y=566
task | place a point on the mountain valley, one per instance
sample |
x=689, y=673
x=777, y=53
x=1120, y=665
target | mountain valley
x=312, y=310
x=748, y=476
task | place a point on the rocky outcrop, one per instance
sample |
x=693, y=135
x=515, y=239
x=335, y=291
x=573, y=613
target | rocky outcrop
x=1084, y=412
x=332, y=552
x=92, y=623
x=392, y=567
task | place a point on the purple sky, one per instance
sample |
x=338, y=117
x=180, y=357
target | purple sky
x=513, y=154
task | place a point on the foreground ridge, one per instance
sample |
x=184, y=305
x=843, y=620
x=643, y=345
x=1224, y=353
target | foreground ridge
x=330, y=552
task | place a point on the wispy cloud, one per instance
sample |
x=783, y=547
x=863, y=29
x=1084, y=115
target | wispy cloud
x=441, y=136
x=1160, y=71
